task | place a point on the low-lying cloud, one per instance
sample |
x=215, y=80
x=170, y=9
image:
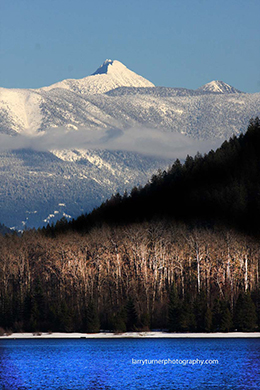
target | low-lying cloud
x=146, y=141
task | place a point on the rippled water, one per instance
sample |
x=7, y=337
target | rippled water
x=130, y=364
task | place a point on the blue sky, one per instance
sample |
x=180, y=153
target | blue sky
x=175, y=43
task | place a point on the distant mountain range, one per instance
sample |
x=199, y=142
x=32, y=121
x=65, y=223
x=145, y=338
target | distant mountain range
x=42, y=186
x=114, y=96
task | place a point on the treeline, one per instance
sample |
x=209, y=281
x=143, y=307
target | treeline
x=156, y=275
x=222, y=186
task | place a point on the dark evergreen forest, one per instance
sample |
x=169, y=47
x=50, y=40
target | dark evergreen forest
x=180, y=254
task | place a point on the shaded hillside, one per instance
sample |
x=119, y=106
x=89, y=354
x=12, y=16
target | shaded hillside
x=222, y=186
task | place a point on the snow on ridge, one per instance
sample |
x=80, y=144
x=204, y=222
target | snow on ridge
x=217, y=86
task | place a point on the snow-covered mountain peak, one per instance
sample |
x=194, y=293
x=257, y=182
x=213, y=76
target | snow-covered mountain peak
x=217, y=86
x=110, y=75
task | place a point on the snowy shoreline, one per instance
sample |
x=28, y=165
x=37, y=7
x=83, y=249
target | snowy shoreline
x=134, y=335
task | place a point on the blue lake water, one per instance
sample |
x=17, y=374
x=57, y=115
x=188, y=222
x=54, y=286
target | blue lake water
x=159, y=364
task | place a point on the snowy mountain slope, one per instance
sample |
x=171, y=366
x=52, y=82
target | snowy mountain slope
x=65, y=108
x=41, y=187
x=156, y=91
x=203, y=116
x=110, y=75
x=61, y=104
x=200, y=114
x=20, y=110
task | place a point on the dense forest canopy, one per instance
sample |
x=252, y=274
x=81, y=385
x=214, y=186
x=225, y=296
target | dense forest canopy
x=181, y=254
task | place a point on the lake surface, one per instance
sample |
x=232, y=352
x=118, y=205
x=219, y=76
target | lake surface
x=158, y=364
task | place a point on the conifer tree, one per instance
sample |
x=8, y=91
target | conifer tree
x=174, y=310
x=222, y=317
x=131, y=314
x=186, y=317
x=65, y=318
x=245, y=313
x=226, y=320
x=118, y=322
x=91, y=321
x=203, y=315
x=208, y=320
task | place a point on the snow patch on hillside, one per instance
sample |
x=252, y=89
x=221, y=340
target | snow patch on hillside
x=83, y=154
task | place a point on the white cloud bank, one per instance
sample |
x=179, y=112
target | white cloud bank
x=146, y=141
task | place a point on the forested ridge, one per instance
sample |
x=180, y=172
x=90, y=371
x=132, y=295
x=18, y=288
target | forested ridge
x=180, y=254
